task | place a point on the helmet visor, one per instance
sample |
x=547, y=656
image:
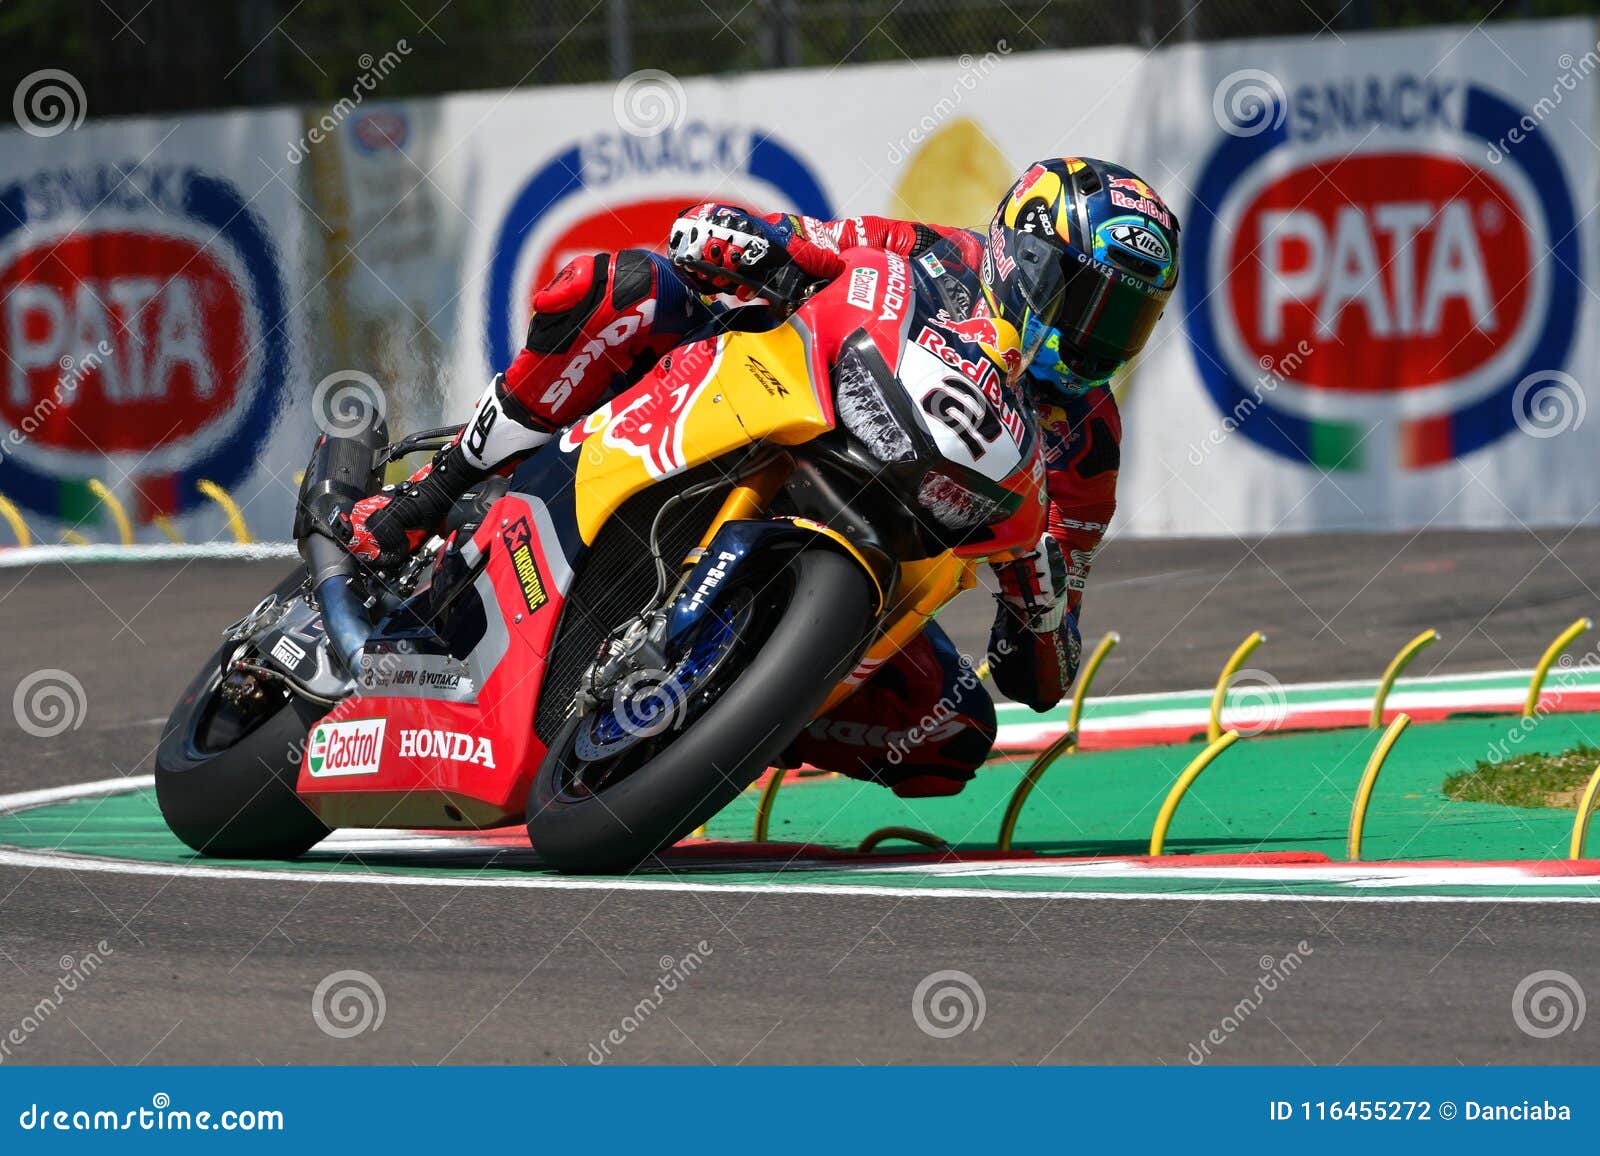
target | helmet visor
x=1102, y=315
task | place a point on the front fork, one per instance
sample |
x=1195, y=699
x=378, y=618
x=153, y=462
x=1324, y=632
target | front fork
x=909, y=594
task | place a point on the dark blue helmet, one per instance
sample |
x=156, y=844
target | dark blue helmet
x=1082, y=258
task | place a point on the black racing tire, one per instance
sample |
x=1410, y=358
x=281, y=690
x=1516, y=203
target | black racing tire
x=236, y=801
x=815, y=642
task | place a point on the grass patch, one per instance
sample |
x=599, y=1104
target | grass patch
x=1531, y=780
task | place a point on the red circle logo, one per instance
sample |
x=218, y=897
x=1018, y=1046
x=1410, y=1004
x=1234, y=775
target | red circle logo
x=119, y=341
x=1397, y=271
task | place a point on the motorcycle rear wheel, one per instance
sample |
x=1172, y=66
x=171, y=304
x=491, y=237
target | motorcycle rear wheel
x=815, y=640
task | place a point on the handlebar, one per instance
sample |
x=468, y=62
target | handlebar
x=427, y=439
x=787, y=287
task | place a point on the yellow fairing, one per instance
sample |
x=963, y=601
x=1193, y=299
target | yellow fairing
x=924, y=588
x=715, y=397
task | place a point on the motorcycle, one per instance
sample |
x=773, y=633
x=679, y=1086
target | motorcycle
x=613, y=642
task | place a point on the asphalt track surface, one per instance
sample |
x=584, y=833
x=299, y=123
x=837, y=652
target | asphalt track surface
x=207, y=970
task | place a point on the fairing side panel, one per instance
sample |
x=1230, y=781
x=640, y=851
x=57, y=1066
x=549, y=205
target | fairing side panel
x=459, y=750
x=703, y=401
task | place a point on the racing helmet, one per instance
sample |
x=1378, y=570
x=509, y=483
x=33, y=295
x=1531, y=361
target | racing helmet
x=1082, y=256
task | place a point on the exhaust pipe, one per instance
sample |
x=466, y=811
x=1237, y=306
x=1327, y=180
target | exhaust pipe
x=342, y=471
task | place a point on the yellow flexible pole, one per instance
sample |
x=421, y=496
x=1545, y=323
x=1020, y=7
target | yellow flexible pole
x=1391, y=672
x=1369, y=779
x=1158, y=834
x=164, y=524
x=1064, y=744
x=1090, y=669
x=1551, y=653
x=769, y=796
x=909, y=834
x=73, y=538
x=1036, y=769
x=118, y=514
x=1181, y=786
x=221, y=497
x=1580, y=825
x=13, y=517
x=1229, y=669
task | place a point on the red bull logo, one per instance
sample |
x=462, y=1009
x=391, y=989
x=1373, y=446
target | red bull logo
x=647, y=421
x=979, y=330
x=1134, y=195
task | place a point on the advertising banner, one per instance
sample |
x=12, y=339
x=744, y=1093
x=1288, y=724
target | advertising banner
x=148, y=320
x=1384, y=319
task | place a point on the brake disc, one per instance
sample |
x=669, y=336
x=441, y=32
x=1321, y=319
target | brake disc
x=646, y=702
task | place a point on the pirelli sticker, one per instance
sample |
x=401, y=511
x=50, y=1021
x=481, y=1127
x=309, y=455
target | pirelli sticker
x=519, y=543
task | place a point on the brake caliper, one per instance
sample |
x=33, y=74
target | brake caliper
x=632, y=694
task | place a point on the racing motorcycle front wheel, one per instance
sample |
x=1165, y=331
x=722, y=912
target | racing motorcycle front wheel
x=781, y=646
x=226, y=770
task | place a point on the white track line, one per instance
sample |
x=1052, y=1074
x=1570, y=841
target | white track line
x=23, y=800
x=61, y=861
x=17, y=557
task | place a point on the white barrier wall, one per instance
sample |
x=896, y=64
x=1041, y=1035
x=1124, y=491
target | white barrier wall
x=1384, y=319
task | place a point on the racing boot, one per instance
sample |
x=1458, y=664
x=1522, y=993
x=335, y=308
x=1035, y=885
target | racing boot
x=386, y=528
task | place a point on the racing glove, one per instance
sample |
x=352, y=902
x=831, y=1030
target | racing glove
x=1034, y=587
x=755, y=248
x=388, y=527
x=1034, y=645
x=378, y=532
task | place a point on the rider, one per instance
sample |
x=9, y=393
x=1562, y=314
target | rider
x=1080, y=258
